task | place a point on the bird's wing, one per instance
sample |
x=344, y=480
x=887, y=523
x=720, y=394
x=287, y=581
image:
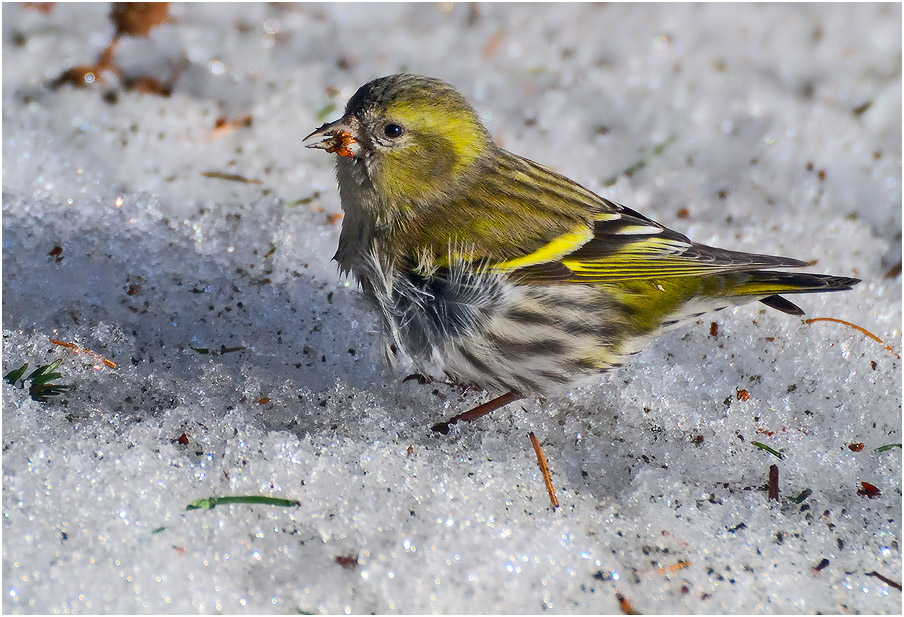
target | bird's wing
x=625, y=245
x=574, y=235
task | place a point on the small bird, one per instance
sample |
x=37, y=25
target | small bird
x=494, y=270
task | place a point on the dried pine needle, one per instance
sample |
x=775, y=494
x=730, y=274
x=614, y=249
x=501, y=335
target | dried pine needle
x=544, y=469
x=625, y=605
x=681, y=565
x=75, y=348
x=855, y=327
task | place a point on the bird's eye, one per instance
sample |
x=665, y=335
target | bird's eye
x=393, y=131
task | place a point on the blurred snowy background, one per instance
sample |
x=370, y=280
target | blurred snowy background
x=166, y=218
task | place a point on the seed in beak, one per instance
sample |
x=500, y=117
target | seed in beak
x=336, y=141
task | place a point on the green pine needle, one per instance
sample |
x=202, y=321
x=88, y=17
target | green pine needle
x=888, y=447
x=304, y=200
x=802, y=497
x=45, y=374
x=326, y=111
x=763, y=446
x=636, y=167
x=16, y=374
x=41, y=387
x=210, y=503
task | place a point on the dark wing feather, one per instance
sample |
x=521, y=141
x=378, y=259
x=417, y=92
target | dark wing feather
x=627, y=246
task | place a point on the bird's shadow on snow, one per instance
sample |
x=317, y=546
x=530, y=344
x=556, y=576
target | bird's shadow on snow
x=169, y=315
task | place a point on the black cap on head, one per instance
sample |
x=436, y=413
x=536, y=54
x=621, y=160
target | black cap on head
x=383, y=92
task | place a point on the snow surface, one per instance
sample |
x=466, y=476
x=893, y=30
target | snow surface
x=662, y=492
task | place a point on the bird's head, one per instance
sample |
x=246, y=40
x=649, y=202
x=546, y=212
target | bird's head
x=415, y=138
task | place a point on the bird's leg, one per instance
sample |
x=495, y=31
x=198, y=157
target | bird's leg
x=478, y=412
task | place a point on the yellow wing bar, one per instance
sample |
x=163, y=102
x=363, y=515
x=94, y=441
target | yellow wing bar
x=554, y=251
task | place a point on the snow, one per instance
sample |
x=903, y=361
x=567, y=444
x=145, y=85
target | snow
x=245, y=365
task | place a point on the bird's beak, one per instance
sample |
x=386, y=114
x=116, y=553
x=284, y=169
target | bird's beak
x=338, y=137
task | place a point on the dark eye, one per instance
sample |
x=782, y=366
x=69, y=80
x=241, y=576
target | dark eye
x=393, y=131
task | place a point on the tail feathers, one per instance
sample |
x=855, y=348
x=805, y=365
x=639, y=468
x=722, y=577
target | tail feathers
x=771, y=284
x=780, y=304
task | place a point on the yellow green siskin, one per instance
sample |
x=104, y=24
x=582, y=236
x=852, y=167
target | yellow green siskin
x=491, y=269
